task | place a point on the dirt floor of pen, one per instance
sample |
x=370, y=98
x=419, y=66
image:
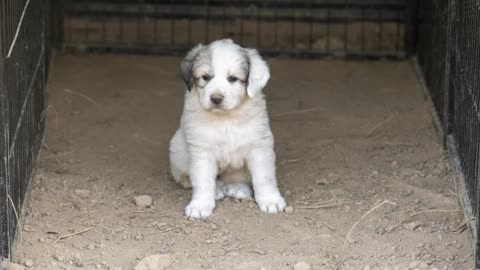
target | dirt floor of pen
x=358, y=160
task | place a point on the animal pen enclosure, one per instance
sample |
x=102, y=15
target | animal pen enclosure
x=442, y=35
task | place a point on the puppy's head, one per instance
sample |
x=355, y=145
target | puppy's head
x=224, y=74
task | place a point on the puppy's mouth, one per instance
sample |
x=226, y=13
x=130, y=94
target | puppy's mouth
x=217, y=109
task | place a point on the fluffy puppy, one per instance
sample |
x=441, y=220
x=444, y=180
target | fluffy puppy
x=224, y=142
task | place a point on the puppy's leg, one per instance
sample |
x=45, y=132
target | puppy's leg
x=179, y=160
x=261, y=163
x=203, y=172
x=219, y=195
x=236, y=185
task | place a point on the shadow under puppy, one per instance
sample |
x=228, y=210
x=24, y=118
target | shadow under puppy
x=224, y=142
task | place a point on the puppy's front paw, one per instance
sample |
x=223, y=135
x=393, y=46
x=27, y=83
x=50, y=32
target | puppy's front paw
x=271, y=204
x=199, y=209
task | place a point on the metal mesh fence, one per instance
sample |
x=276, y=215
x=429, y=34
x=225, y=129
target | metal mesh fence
x=449, y=55
x=308, y=28
x=22, y=80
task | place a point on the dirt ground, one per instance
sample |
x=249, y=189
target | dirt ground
x=358, y=160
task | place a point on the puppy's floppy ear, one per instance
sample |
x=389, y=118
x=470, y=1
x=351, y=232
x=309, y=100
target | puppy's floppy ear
x=187, y=65
x=259, y=74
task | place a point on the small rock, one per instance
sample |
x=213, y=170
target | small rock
x=418, y=264
x=322, y=182
x=289, y=209
x=154, y=262
x=412, y=225
x=375, y=173
x=59, y=258
x=288, y=192
x=143, y=201
x=302, y=266
x=82, y=193
x=367, y=267
x=15, y=266
x=28, y=263
x=263, y=268
x=91, y=247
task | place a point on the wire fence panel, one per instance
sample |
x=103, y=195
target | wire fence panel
x=301, y=28
x=22, y=80
x=449, y=56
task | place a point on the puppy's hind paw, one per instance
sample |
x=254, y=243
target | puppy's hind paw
x=238, y=191
x=271, y=204
x=199, y=210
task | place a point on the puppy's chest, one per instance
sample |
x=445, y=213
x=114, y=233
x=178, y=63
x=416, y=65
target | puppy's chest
x=231, y=145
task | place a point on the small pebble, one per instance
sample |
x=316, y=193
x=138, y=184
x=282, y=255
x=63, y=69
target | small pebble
x=302, y=266
x=143, y=201
x=418, y=264
x=91, y=247
x=412, y=225
x=288, y=192
x=322, y=182
x=59, y=258
x=28, y=263
x=155, y=262
x=289, y=209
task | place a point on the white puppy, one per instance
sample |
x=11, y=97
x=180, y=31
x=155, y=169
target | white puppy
x=224, y=141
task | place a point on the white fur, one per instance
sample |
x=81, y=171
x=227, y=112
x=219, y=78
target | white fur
x=219, y=149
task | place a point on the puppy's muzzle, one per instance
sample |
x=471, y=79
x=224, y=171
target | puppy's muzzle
x=216, y=99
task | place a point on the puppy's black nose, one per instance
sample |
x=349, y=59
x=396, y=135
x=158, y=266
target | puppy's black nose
x=216, y=99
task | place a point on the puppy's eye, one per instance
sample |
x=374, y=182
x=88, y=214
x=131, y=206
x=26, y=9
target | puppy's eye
x=206, y=78
x=232, y=79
